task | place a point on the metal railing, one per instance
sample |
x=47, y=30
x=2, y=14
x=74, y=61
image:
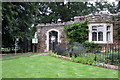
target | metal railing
x=105, y=53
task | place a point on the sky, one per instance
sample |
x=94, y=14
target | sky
x=110, y=1
x=92, y=1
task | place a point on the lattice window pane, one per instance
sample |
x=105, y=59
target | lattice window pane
x=94, y=36
x=100, y=36
x=108, y=36
x=94, y=28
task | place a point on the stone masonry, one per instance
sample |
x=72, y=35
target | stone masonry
x=43, y=29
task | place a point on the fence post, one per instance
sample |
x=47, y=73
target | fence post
x=118, y=54
x=95, y=56
x=94, y=51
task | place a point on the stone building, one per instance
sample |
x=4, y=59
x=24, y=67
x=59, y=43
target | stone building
x=102, y=30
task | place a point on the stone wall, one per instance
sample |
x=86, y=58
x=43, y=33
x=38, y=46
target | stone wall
x=116, y=24
x=42, y=45
x=96, y=18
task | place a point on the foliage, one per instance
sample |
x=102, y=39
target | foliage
x=77, y=32
x=118, y=6
x=60, y=50
x=66, y=12
x=91, y=46
x=113, y=59
x=76, y=49
x=53, y=54
x=102, y=5
x=106, y=58
x=17, y=19
x=84, y=60
x=118, y=32
x=95, y=58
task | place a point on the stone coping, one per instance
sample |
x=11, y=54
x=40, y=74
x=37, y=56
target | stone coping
x=68, y=23
x=103, y=18
x=57, y=24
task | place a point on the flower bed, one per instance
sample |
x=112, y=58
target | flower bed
x=85, y=60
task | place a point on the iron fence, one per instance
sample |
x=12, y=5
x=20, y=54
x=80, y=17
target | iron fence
x=105, y=53
x=108, y=54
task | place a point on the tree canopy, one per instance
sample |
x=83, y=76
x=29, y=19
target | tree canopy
x=18, y=18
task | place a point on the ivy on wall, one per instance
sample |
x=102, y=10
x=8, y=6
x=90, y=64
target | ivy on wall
x=118, y=32
x=77, y=32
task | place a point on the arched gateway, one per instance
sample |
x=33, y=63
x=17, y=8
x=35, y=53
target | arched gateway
x=53, y=38
x=49, y=36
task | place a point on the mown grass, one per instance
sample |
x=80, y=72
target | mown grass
x=50, y=67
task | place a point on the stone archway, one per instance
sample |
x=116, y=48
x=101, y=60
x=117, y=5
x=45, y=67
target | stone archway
x=53, y=39
x=52, y=33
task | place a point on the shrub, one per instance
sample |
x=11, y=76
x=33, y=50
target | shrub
x=84, y=60
x=60, y=50
x=113, y=58
x=91, y=47
x=90, y=61
x=94, y=63
x=73, y=58
x=52, y=54
x=76, y=49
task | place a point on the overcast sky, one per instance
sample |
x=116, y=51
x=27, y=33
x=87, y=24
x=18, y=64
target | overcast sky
x=110, y=1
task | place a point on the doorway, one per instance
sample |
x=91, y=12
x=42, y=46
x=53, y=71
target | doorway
x=53, y=39
x=52, y=34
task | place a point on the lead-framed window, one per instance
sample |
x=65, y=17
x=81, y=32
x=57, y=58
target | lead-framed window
x=101, y=33
x=97, y=34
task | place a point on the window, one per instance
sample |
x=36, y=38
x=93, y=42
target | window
x=101, y=33
x=100, y=28
x=100, y=36
x=108, y=28
x=108, y=36
x=94, y=27
x=94, y=36
x=97, y=35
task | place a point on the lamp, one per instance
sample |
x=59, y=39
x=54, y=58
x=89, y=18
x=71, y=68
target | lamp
x=53, y=38
x=62, y=36
x=17, y=39
x=52, y=41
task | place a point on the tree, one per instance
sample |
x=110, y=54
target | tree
x=17, y=17
x=67, y=12
x=17, y=20
x=77, y=32
x=118, y=8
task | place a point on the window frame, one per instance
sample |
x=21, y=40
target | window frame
x=105, y=25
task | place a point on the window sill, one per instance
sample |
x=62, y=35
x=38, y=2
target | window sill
x=102, y=42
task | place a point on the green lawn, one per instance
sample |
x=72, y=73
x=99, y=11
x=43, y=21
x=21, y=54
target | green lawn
x=51, y=67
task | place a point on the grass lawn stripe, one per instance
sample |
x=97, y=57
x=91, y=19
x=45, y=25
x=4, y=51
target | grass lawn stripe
x=50, y=67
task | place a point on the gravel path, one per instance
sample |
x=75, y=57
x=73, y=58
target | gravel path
x=39, y=54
